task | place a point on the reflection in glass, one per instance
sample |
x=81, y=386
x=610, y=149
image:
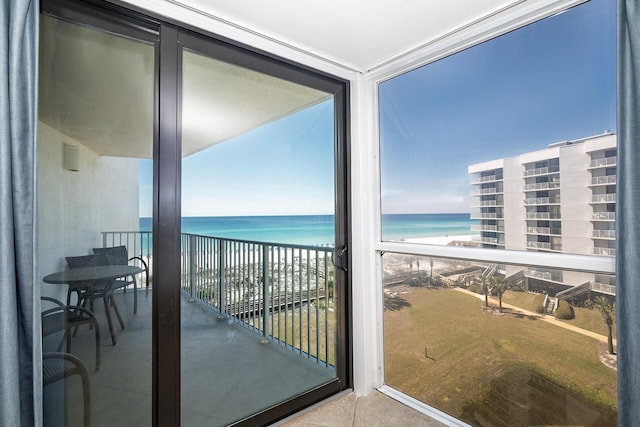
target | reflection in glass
x=258, y=323
x=95, y=135
x=494, y=344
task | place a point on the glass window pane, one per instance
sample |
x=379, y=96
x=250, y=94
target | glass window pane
x=258, y=204
x=509, y=144
x=494, y=344
x=95, y=144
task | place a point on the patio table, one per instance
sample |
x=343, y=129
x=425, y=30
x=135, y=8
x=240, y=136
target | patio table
x=84, y=275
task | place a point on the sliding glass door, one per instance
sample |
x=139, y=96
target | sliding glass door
x=193, y=225
x=95, y=150
x=259, y=307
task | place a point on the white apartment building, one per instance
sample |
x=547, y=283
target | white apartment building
x=560, y=199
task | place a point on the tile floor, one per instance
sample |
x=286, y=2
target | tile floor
x=349, y=409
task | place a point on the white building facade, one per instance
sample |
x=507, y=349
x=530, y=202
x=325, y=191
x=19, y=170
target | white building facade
x=561, y=199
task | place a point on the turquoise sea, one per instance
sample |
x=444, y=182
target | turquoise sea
x=319, y=229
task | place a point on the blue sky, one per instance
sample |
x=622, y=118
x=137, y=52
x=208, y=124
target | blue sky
x=281, y=168
x=551, y=81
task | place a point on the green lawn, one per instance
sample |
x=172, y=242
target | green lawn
x=525, y=300
x=441, y=347
x=590, y=319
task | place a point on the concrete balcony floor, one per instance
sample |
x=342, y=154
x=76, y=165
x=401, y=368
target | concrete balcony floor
x=227, y=374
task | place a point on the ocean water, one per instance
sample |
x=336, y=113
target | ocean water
x=319, y=229
x=410, y=226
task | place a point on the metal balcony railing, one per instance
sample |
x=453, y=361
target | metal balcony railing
x=604, y=198
x=482, y=179
x=541, y=186
x=603, y=180
x=604, y=216
x=485, y=203
x=484, y=227
x=604, y=288
x=542, y=215
x=485, y=215
x=538, y=230
x=481, y=191
x=604, y=161
x=604, y=251
x=283, y=292
x=542, y=201
x=541, y=171
x=604, y=234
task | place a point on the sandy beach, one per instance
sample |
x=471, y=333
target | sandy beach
x=442, y=240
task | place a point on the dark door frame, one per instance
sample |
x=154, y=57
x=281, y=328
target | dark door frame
x=166, y=34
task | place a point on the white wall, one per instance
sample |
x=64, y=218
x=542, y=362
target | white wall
x=74, y=207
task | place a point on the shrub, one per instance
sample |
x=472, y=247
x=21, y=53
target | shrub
x=564, y=311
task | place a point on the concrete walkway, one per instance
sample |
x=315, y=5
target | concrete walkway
x=546, y=318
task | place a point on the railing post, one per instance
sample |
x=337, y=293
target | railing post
x=192, y=267
x=265, y=294
x=221, y=280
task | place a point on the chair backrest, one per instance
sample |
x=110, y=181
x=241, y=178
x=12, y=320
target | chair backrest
x=81, y=261
x=117, y=255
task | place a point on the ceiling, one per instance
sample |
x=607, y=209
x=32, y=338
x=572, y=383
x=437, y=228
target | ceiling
x=360, y=34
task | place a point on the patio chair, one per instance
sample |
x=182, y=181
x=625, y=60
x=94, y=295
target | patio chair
x=118, y=255
x=58, y=367
x=88, y=291
x=61, y=318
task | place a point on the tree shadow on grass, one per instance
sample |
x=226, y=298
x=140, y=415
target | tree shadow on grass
x=510, y=312
x=394, y=303
x=518, y=314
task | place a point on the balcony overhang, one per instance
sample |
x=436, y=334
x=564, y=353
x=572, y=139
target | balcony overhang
x=103, y=93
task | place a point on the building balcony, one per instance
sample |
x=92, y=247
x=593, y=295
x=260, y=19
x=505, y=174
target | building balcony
x=486, y=203
x=603, y=162
x=485, y=179
x=604, y=251
x=604, y=234
x=541, y=171
x=542, y=201
x=541, y=186
x=603, y=198
x=547, y=246
x=222, y=322
x=485, y=215
x=542, y=215
x=603, y=216
x=543, y=231
x=482, y=191
x=603, y=288
x=487, y=227
x=603, y=180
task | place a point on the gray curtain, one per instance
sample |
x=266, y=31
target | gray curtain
x=628, y=215
x=20, y=353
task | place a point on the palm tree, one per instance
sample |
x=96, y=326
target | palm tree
x=500, y=285
x=485, y=282
x=607, y=310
